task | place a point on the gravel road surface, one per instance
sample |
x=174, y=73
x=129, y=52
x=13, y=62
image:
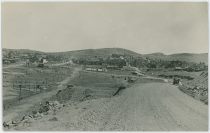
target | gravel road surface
x=142, y=107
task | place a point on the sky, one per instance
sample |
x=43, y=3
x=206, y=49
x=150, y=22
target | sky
x=141, y=27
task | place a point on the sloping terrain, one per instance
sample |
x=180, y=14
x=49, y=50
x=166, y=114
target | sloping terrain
x=105, y=52
x=142, y=107
x=22, y=107
x=189, y=57
x=200, y=81
x=107, y=101
x=194, y=84
x=19, y=52
x=78, y=86
x=198, y=87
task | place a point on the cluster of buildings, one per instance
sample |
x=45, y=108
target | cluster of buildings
x=24, y=58
x=96, y=68
x=118, y=65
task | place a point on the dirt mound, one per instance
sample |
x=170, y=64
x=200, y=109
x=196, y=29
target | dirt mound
x=43, y=109
x=64, y=95
x=176, y=76
x=198, y=87
x=73, y=94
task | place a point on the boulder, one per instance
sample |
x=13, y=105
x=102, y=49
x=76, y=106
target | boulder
x=53, y=119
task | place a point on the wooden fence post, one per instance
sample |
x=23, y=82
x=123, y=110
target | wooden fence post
x=29, y=85
x=35, y=86
x=20, y=92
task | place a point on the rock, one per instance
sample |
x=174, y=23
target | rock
x=44, y=108
x=59, y=91
x=34, y=112
x=45, y=113
x=54, y=106
x=6, y=125
x=15, y=123
x=70, y=86
x=26, y=118
x=37, y=116
x=53, y=119
x=57, y=105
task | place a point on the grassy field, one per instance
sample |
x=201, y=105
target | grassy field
x=89, y=85
x=22, y=82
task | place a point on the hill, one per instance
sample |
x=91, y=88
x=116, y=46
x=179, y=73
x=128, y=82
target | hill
x=105, y=52
x=189, y=57
x=19, y=52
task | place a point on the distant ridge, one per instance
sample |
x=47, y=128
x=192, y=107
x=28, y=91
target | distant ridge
x=189, y=57
x=105, y=52
x=22, y=51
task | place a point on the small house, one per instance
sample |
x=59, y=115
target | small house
x=96, y=68
x=178, y=69
x=42, y=61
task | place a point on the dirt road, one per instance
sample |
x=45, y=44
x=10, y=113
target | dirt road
x=13, y=66
x=158, y=107
x=143, y=107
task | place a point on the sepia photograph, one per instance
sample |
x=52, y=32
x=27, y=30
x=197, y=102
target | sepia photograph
x=104, y=66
